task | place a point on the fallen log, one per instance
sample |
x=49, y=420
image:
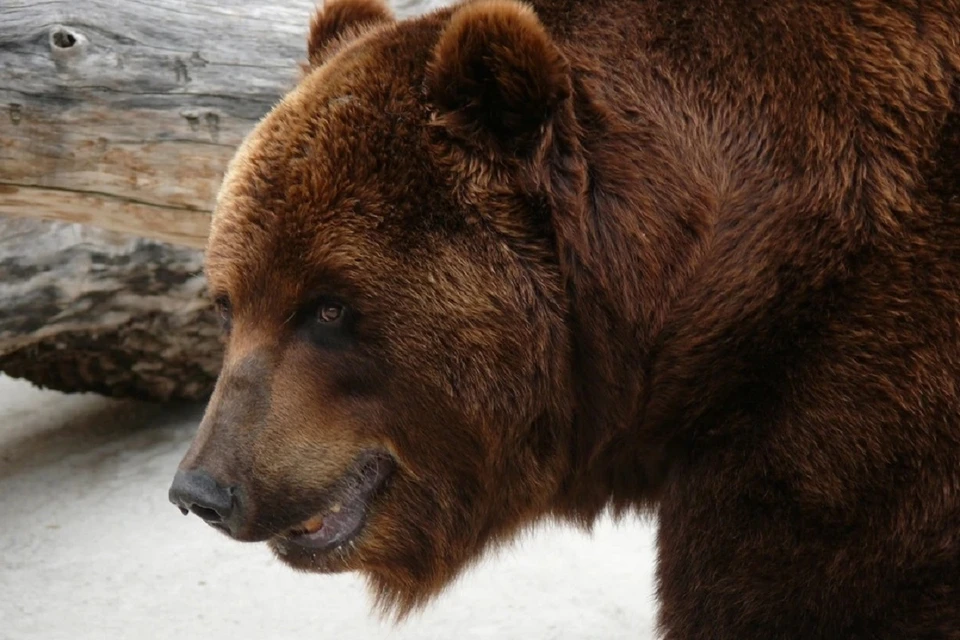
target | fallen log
x=116, y=122
x=88, y=309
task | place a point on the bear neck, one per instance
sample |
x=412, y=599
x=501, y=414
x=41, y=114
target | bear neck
x=630, y=226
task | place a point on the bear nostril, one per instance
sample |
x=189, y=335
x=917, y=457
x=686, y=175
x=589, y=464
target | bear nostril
x=207, y=514
x=197, y=492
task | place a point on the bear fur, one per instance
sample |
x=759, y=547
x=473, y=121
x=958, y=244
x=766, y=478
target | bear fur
x=693, y=258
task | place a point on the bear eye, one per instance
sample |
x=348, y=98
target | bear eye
x=224, y=311
x=328, y=323
x=329, y=312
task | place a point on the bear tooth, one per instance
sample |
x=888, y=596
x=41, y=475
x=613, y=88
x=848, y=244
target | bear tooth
x=314, y=524
x=335, y=508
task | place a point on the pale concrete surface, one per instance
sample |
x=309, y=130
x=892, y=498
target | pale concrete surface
x=90, y=548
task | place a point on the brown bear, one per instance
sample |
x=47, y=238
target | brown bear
x=698, y=258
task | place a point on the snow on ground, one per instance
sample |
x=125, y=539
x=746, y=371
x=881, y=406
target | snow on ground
x=90, y=548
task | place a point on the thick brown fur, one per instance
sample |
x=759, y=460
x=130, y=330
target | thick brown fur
x=692, y=258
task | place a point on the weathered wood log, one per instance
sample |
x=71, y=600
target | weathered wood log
x=120, y=117
x=86, y=309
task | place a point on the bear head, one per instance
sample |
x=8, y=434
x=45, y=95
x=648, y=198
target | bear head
x=396, y=393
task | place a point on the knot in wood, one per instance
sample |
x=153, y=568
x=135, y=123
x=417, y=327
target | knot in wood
x=66, y=44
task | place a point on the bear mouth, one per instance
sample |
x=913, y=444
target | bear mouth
x=347, y=506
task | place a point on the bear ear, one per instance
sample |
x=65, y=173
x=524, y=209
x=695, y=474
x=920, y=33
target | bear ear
x=339, y=21
x=496, y=77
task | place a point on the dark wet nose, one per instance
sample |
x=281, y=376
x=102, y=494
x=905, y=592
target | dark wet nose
x=197, y=492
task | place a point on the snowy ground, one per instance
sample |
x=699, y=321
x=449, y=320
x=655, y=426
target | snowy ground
x=90, y=548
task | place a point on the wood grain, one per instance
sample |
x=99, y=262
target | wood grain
x=123, y=114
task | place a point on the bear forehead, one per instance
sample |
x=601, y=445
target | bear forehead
x=339, y=169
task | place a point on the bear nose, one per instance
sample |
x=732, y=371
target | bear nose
x=199, y=493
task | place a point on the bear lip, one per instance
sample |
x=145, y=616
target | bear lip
x=345, y=513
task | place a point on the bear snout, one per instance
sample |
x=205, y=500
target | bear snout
x=211, y=480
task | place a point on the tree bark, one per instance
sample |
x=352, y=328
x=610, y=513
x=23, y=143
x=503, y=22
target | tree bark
x=117, y=120
x=87, y=309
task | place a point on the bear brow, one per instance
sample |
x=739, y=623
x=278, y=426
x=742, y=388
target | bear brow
x=335, y=103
